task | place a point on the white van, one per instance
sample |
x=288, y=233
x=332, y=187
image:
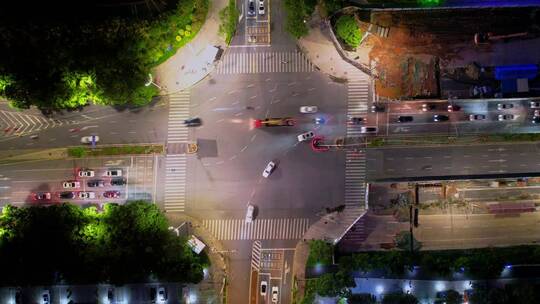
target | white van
x=195, y=244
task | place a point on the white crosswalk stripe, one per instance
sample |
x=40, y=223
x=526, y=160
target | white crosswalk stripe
x=260, y=229
x=357, y=94
x=264, y=62
x=17, y=124
x=178, y=112
x=256, y=255
x=355, y=166
x=175, y=182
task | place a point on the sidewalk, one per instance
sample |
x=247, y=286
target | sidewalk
x=194, y=61
x=320, y=47
x=219, y=269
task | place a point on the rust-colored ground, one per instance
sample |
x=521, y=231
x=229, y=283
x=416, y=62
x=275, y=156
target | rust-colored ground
x=408, y=60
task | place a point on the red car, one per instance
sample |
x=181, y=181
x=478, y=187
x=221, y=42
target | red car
x=41, y=196
x=112, y=194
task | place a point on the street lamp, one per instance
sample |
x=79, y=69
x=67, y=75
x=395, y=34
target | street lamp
x=177, y=229
x=151, y=81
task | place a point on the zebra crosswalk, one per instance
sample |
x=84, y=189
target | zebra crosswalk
x=265, y=62
x=357, y=94
x=178, y=112
x=260, y=229
x=175, y=182
x=355, y=178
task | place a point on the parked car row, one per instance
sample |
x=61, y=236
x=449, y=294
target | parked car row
x=275, y=291
x=251, y=8
x=86, y=195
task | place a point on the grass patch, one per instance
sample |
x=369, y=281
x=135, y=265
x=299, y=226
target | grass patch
x=229, y=19
x=80, y=152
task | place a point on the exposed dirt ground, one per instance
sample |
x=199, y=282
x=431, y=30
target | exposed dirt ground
x=422, y=42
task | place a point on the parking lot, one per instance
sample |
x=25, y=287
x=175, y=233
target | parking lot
x=84, y=181
x=257, y=25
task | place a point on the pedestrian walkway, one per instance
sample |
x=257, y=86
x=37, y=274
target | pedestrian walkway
x=355, y=178
x=175, y=182
x=357, y=96
x=177, y=132
x=236, y=62
x=16, y=124
x=256, y=256
x=261, y=229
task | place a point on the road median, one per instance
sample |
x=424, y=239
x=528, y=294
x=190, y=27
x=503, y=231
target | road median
x=79, y=152
x=377, y=142
x=25, y=155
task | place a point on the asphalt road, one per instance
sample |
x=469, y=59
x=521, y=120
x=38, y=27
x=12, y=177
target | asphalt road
x=113, y=126
x=389, y=163
x=226, y=175
x=477, y=230
x=458, y=122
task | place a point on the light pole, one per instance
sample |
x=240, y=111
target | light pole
x=151, y=81
x=177, y=229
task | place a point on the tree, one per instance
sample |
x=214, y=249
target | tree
x=296, y=18
x=66, y=244
x=403, y=241
x=399, y=298
x=453, y=297
x=320, y=253
x=348, y=31
x=362, y=298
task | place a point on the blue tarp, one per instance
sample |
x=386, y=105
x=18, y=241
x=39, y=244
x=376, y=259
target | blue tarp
x=528, y=71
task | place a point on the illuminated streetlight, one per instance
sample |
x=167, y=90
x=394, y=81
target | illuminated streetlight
x=151, y=81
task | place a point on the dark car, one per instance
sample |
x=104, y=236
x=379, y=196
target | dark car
x=377, y=108
x=67, y=195
x=193, y=122
x=438, y=117
x=251, y=8
x=405, y=119
x=112, y=194
x=536, y=120
x=118, y=182
x=355, y=120
x=110, y=294
x=95, y=183
x=153, y=294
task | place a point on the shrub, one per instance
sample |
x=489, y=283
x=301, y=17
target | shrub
x=348, y=31
x=77, y=152
x=229, y=19
x=296, y=14
x=320, y=253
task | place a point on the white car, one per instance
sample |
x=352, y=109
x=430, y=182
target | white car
x=113, y=173
x=366, y=130
x=269, y=169
x=86, y=173
x=502, y=117
x=71, y=184
x=89, y=139
x=87, y=195
x=535, y=104
x=261, y=8
x=308, y=109
x=249, y=213
x=305, y=136
x=162, y=294
x=474, y=117
x=264, y=287
x=45, y=297
x=275, y=294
